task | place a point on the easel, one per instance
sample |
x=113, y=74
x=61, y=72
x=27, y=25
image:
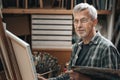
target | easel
x=8, y=58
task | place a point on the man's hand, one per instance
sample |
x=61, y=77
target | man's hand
x=77, y=76
x=41, y=78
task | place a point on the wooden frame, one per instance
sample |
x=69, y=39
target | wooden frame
x=23, y=56
x=7, y=56
x=16, y=57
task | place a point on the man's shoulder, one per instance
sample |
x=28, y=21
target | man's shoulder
x=105, y=42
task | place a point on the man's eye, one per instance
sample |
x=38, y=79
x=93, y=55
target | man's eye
x=83, y=20
x=75, y=21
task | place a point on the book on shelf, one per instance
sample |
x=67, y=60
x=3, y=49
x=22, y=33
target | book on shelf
x=110, y=4
x=85, y=1
x=33, y=3
x=95, y=3
x=78, y=1
x=1, y=5
x=65, y=3
x=98, y=4
x=106, y=4
x=89, y=2
x=56, y=3
x=72, y=4
x=41, y=3
x=21, y=4
x=118, y=5
x=9, y=3
x=102, y=4
x=68, y=6
x=62, y=4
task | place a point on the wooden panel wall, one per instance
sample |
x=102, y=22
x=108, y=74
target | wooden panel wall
x=52, y=31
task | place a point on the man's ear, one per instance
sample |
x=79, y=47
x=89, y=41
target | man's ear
x=95, y=21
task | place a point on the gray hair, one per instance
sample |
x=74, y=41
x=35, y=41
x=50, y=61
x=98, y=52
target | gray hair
x=83, y=6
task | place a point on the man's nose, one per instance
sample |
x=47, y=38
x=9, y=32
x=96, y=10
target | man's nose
x=79, y=24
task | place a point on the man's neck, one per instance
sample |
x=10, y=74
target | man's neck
x=87, y=39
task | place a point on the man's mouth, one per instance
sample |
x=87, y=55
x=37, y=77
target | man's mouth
x=80, y=30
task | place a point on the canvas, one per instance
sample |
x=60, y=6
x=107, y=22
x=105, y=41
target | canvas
x=16, y=56
x=23, y=56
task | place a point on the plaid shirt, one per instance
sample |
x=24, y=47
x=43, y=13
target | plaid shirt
x=102, y=53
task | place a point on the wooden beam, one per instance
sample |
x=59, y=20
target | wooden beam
x=44, y=11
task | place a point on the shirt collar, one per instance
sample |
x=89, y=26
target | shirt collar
x=94, y=40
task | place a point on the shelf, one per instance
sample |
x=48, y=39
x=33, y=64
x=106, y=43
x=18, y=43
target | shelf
x=104, y=12
x=36, y=11
x=45, y=11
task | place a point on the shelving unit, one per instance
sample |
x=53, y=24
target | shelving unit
x=36, y=11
